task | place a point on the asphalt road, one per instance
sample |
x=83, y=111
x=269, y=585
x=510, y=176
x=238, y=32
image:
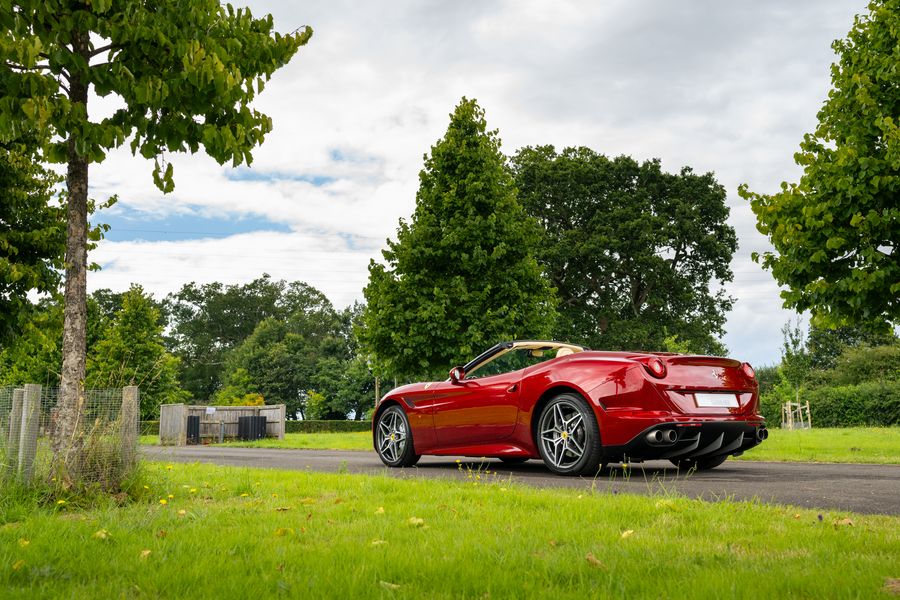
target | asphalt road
x=873, y=489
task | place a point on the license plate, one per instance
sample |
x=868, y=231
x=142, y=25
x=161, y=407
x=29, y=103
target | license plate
x=716, y=400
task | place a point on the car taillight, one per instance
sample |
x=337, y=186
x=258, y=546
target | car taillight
x=748, y=370
x=656, y=367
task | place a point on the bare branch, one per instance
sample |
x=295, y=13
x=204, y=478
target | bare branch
x=103, y=49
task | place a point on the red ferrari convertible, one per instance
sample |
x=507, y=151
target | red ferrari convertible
x=576, y=409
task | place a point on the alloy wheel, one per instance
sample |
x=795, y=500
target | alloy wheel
x=563, y=435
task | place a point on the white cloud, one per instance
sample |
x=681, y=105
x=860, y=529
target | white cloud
x=723, y=87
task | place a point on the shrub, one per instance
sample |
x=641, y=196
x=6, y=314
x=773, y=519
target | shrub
x=870, y=403
x=865, y=364
x=326, y=426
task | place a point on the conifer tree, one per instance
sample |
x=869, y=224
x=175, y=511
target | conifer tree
x=462, y=274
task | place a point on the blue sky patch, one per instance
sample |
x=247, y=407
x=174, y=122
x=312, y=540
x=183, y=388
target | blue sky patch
x=244, y=174
x=128, y=225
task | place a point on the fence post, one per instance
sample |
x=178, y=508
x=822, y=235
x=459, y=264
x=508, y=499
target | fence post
x=131, y=396
x=15, y=428
x=31, y=419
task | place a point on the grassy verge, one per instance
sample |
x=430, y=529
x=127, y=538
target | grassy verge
x=843, y=445
x=217, y=532
x=847, y=445
x=356, y=440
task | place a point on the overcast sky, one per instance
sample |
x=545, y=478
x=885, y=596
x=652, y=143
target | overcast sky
x=728, y=87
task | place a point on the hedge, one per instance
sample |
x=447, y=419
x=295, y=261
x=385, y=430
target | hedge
x=868, y=404
x=325, y=426
x=152, y=427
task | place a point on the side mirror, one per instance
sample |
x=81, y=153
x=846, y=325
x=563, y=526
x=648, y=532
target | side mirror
x=457, y=374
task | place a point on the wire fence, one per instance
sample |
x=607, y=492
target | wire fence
x=100, y=452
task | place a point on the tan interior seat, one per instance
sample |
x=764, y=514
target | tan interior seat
x=564, y=352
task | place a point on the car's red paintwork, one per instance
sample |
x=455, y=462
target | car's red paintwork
x=494, y=416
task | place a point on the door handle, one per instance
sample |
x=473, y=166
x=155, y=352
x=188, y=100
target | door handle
x=512, y=388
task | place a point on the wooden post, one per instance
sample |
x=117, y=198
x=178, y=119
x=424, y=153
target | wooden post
x=129, y=419
x=15, y=428
x=377, y=393
x=31, y=418
x=808, y=416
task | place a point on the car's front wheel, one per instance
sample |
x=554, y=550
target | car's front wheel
x=568, y=437
x=393, y=438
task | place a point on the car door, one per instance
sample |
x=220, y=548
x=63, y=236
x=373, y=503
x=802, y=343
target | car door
x=476, y=411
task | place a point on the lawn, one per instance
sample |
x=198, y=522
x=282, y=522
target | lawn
x=201, y=531
x=843, y=445
x=847, y=445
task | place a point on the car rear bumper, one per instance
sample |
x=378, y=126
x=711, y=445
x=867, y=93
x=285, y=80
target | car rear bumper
x=700, y=438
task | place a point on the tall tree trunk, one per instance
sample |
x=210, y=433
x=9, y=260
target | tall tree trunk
x=67, y=439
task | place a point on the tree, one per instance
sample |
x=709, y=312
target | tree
x=131, y=352
x=208, y=321
x=32, y=233
x=633, y=251
x=836, y=232
x=826, y=345
x=282, y=357
x=795, y=360
x=183, y=74
x=461, y=275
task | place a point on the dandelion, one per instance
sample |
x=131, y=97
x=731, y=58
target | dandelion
x=145, y=554
x=18, y=564
x=101, y=535
x=193, y=490
x=171, y=496
x=416, y=522
x=379, y=510
x=60, y=502
x=23, y=542
x=146, y=487
x=627, y=533
x=182, y=512
x=169, y=467
x=163, y=501
x=244, y=495
x=274, y=495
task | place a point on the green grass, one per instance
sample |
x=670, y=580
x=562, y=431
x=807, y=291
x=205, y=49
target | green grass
x=847, y=445
x=843, y=445
x=236, y=533
x=356, y=440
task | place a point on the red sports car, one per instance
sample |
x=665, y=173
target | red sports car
x=576, y=409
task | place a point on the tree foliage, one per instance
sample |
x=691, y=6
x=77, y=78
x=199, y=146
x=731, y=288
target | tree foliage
x=836, y=232
x=207, y=321
x=281, y=359
x=32, y=234
x=182, y=75
x=461, y=275
x=633, y=251
x=131, y=352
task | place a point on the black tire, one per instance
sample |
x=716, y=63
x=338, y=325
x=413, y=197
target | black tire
x=513, y=460
x=558, y=436
x=393, y=438
x=700, y=464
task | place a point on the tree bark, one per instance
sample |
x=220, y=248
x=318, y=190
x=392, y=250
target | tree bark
x=66, y=441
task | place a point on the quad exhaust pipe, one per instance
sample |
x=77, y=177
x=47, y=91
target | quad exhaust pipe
x=762, y=434
x=662, y=436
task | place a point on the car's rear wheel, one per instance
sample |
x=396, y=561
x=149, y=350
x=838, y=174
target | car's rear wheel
x=700, y=464
x=568, y=437
x=393, y=438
